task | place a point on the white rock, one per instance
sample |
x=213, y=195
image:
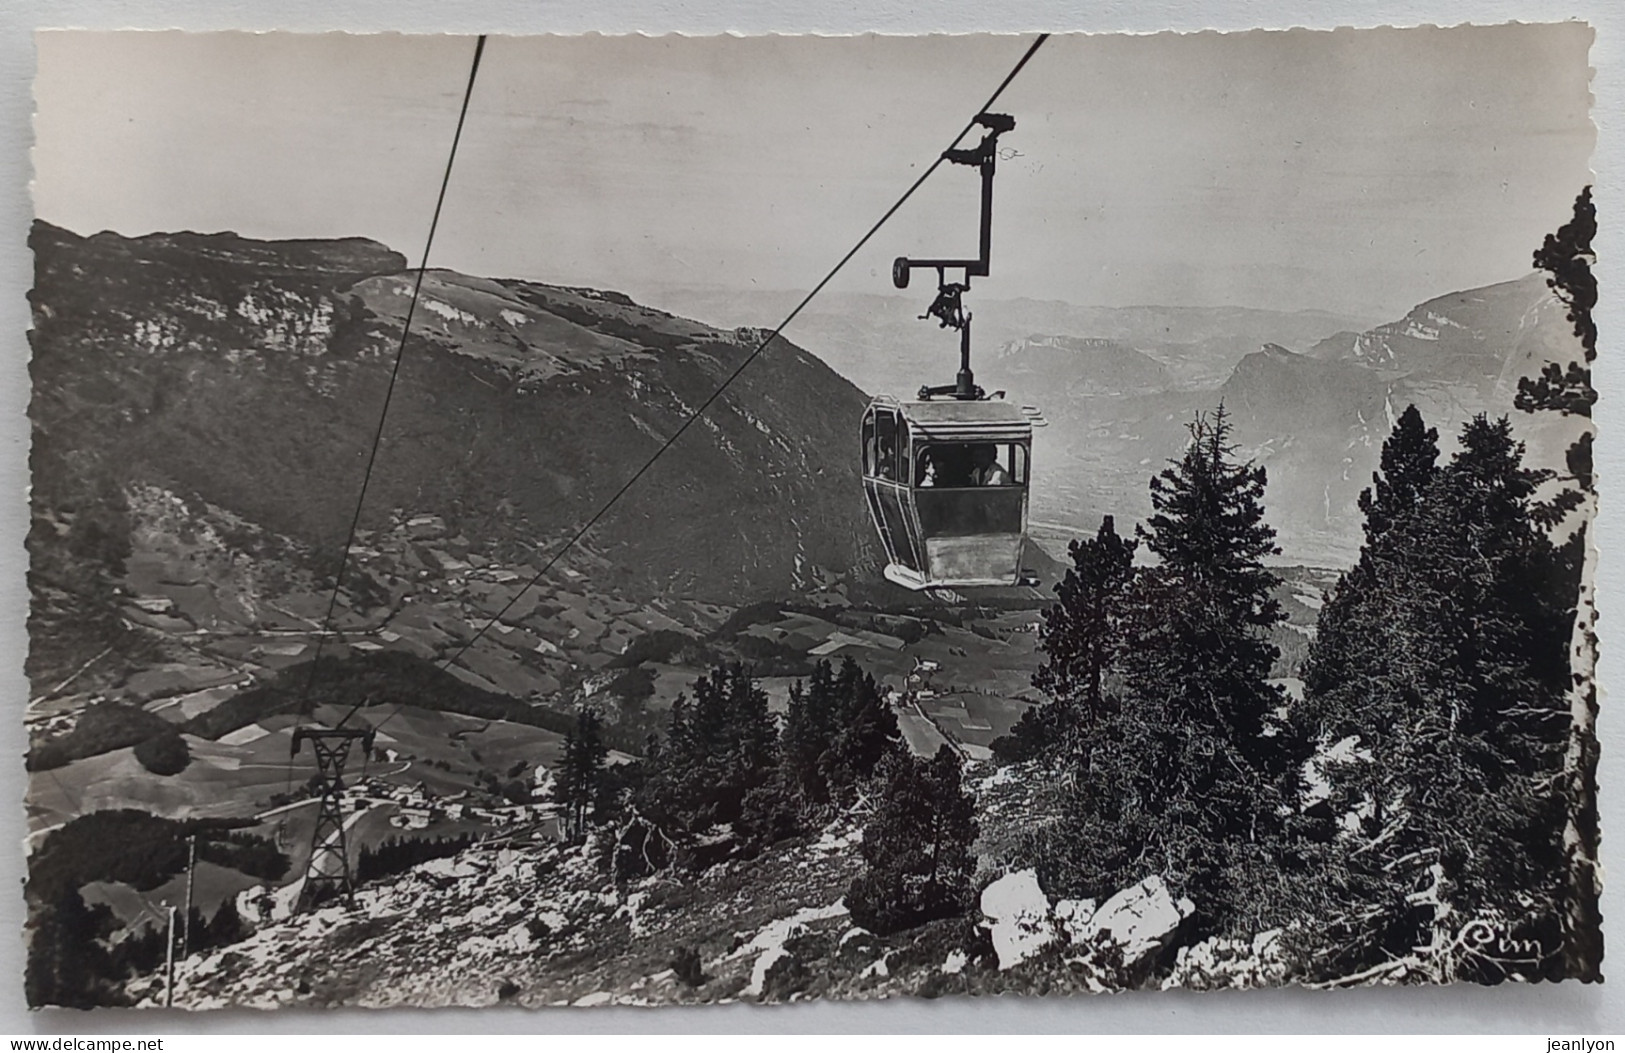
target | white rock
x=1140, y=918
x=1072, y=916
x=770, y=941
x=1018, y=913
x=955, y=962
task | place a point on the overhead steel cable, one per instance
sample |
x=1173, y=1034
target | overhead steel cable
x=699, y=411
x=394, y=375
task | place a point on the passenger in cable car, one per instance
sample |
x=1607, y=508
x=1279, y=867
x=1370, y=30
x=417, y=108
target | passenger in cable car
x=927, y=474
x=987, y=471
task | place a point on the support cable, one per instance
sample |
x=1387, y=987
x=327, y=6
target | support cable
x=394, y=375
x=695, y=415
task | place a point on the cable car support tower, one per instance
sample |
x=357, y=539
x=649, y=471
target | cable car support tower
x=328, y=869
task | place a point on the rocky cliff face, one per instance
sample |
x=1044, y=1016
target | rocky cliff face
x=1316, y=420
x=251, y=374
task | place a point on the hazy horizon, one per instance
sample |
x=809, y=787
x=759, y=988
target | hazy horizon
x=1357, y=172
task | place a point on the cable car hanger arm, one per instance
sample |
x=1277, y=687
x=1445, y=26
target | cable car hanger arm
x=983, y=156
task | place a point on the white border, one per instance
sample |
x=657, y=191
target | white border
x=1564, y=1009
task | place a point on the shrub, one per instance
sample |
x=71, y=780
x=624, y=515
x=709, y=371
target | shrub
x=917, y=847
x=686, y=965
x=164, y=754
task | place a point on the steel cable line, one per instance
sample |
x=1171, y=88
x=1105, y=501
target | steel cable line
x=389, y=391
x=695, y=415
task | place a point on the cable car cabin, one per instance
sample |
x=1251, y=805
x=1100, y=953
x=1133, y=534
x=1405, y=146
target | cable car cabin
x=946, y=483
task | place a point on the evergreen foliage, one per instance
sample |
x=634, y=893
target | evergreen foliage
x=722, y=744
x=837, y=730
x=1344, y=659
x=396, y=855
x=580, y=786
x=1201, y=776
x=1410, y=458
x=70, y=961
x=68, y=964
x=1436, y=685
x=916, y=847
x=1567, y=257
x=725, y=762
x=164, y=753
x=203, y=935
x=1081, y=637
x=102, y=727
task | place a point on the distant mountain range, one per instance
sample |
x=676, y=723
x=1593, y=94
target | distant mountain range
x=1120, y=384
x=880, y=344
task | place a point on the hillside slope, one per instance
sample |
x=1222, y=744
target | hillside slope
x=250, y=375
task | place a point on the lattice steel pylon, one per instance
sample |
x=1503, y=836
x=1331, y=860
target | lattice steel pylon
x=328, y=869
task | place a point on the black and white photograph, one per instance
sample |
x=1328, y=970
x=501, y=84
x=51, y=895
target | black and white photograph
x=642, y=520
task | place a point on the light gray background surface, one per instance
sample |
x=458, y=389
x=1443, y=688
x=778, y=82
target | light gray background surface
x=1568, y=1008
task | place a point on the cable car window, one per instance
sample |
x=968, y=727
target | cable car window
x=888, y=437
x=967, y=464
x=870, y=454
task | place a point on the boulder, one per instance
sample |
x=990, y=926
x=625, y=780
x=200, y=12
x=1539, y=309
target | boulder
x=1072, y=916
x=1140, y=919
x=1018, y=917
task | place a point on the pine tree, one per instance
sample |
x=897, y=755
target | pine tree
x=227, y=926
x=1410, y=457
x=1349, y=649
x=916, y=847
x=1567, y=257
x=1438, y=672
x=67, y=963
x=865, y=731
x=1081, y=635
x=809, y=724
x=1201, y=766
x=1488, y=788
x=837, y=731
x=721, y=745
x=580, y=782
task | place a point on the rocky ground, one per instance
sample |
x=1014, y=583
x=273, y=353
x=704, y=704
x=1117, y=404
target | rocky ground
x=537, y=923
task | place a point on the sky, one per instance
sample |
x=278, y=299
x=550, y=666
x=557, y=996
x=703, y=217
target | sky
x=1357, y=171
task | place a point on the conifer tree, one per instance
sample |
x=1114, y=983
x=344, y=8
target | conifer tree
x=1410, y=457
x=1349, y=649
x=808, y=726
x=227, y=926
x=580, y=780
x=865, y=730
x=1201, y=769
x=722, y=744
x=837, y=729
x=1081, y=636
x=917, y=847
x=1438, y=673
x=1567, y=257
x=67, y=964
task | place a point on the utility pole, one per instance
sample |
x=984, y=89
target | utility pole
x=191, y=872
x=169, y=961
x=328, y=869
